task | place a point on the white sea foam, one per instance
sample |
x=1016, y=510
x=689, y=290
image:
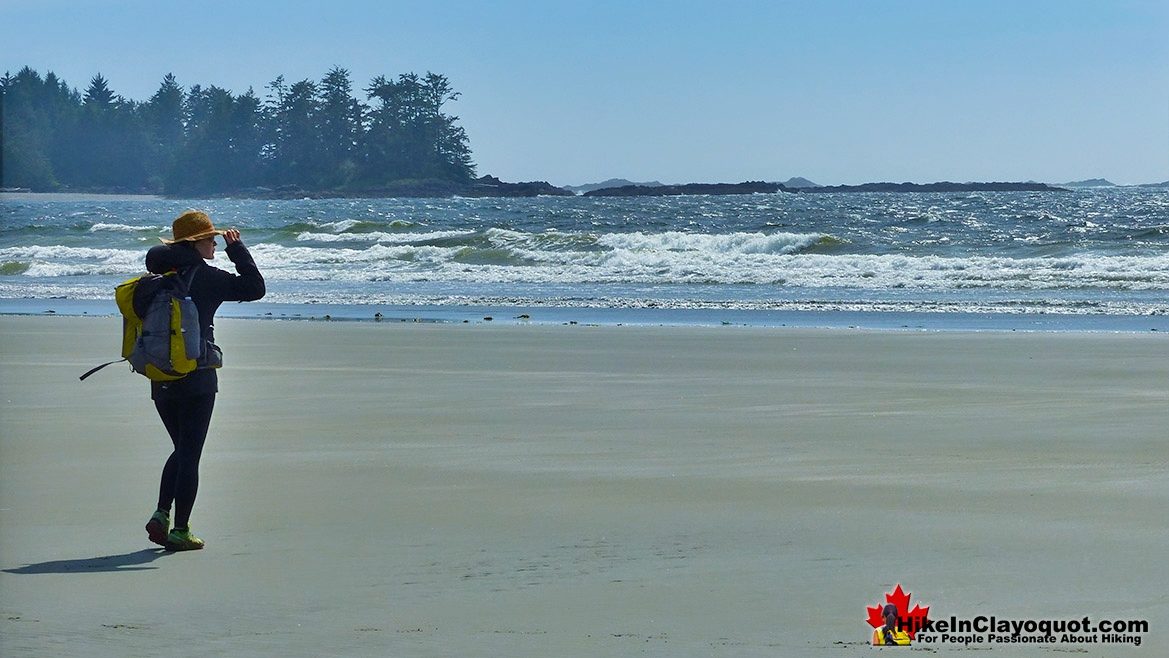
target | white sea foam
x=73, y=261
x=663, y=266
x=62, y=253
x=123, y=228
x=1030, y=250
x=378, y=236
x=341, y=226
x=639, y=258
x=747, y=243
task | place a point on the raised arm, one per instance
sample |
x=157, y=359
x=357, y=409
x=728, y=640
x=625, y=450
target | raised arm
x=248, y=284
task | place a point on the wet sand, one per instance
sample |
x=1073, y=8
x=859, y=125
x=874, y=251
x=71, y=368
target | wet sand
x=455, y=490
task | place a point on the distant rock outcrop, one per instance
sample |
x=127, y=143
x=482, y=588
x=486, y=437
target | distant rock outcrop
x=749, y=187
x=944, y=186
x=612, y=182
x=1164, y=184
x=1091, y=182
x=798, y=183
x=487, y=186
x=490, y=186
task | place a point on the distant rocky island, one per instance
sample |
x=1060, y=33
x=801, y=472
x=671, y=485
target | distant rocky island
x=1104, y=182
x=1091, y=182
x=804, y=186
x=491, y=186
x=799, y=182
x=944, y=186
x=612, y=182
x=750, y=187
x=484, y=186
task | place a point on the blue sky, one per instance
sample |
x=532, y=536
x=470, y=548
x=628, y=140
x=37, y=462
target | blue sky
x=838, y=91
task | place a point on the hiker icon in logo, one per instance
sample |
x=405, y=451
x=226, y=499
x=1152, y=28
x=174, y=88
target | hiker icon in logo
x=891, y=633
x=893, y=623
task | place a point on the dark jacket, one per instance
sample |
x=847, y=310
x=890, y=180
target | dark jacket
x=210, y=287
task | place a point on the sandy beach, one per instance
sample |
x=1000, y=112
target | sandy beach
x=478, y=490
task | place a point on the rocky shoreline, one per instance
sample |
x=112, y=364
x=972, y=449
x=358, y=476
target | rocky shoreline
x=493, y=187
x=944, y=186
x=483, y=187
x=757, y=187
x=750, y=187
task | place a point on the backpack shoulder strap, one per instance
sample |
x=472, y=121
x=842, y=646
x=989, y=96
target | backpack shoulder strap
x=93, y=370
x=187, y=275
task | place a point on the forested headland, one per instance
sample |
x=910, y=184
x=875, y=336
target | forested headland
x=306, y=136
x=394, y=138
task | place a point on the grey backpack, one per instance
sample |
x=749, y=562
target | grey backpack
x=160, y=327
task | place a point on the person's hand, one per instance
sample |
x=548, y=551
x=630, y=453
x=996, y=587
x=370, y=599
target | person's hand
x=231, y=236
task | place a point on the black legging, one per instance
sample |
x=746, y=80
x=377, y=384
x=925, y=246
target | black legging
x=186, y=420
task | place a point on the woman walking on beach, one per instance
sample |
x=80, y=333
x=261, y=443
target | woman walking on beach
x=185, y=404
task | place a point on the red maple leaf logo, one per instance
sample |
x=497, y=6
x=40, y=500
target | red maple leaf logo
x=911, y=620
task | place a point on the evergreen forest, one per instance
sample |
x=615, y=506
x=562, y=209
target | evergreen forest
x=302, y=136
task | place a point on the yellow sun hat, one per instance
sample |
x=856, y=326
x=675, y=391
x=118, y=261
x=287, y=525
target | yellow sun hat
x=192, y=225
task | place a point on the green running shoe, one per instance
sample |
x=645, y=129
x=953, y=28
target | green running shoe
x=183, y=540
x=157, y=527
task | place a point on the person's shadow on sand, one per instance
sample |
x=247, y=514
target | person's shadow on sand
x=135, y=561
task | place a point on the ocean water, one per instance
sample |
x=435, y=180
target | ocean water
x=1080, y=259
